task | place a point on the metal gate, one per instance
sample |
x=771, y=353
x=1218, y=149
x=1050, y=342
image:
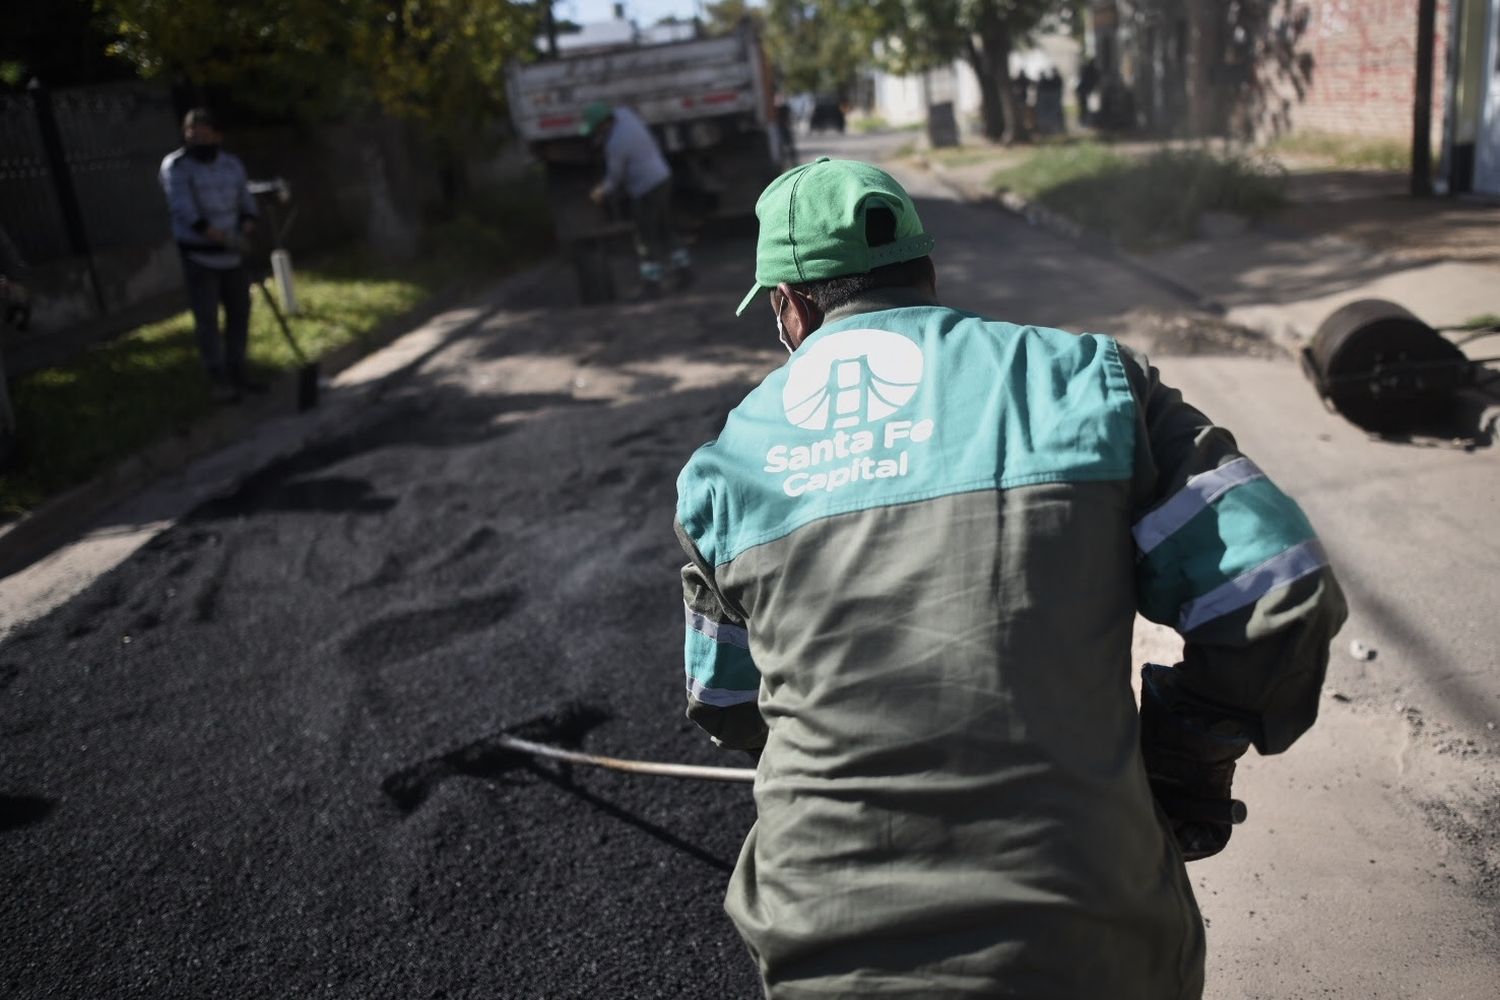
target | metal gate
x=80, y=199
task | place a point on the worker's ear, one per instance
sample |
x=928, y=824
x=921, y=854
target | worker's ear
x=800, y=316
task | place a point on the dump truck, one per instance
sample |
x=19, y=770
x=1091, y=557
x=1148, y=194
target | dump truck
x=708, y=101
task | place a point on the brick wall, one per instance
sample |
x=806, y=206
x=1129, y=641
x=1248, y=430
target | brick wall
x=1363, y=66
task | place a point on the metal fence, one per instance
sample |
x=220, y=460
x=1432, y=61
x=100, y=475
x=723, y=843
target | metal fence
x=113, y=141
x=29, y=208
x=79, y=198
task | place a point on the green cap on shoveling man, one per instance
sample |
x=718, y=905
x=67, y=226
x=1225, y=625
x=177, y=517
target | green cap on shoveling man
x=812, y=225
x=596, y=113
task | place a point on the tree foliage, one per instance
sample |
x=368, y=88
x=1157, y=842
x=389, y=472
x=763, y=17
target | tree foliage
x=724, y=17
x=60, y=43
x=823, y=44
x=443, y=60
x=438, y=61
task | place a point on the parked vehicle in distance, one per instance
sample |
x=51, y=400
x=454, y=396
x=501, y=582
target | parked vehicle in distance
x=827, y=113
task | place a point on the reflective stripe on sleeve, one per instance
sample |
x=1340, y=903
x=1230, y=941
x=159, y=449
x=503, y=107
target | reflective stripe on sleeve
x=719, y=697
x=730, y=635
x=1196, y=495
x=1250, y=586
x=719, y=673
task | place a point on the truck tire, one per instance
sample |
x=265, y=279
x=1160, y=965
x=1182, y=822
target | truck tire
x=596, y=283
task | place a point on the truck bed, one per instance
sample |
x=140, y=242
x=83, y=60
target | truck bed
x=665, y=84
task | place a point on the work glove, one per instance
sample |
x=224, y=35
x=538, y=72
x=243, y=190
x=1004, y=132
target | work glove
x=1190, y=764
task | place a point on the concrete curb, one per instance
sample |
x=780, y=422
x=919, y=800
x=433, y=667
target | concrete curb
x=260, y=432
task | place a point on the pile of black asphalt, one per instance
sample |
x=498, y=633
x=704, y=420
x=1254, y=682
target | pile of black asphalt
x=257, y=759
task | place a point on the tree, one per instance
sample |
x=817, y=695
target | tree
x=440, y=62
x=443, y=61
x=930, y=33
x=60, y=43
x=726, y=16
x=821, y=46
x=287, y=56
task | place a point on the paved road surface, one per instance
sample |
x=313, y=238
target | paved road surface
x=256, y=758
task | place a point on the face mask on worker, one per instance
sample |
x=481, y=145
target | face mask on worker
x=781, y=335
x=205, y=152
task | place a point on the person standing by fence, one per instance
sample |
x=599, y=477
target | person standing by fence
x=634, y=166
x=213, y=214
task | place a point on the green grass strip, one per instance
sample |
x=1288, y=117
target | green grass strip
x=1144, y=201
x=119, y=397
x=1349, y=151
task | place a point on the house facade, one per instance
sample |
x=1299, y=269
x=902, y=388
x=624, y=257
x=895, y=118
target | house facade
x=1264, y=68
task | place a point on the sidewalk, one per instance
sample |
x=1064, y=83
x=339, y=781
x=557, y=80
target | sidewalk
x=1344, y=235
x=1348, y=235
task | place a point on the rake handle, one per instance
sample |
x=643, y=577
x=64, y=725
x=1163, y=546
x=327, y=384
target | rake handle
x=693, y=771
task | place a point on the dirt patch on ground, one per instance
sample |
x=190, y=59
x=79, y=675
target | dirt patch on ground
x=1179, y=333
x=1468, y=813
x=1470, y=825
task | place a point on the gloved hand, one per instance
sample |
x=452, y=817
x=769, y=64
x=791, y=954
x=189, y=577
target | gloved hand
x=1190, y=764
x=598, y=194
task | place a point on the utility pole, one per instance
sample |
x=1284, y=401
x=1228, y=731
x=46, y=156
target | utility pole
x=1421, y=117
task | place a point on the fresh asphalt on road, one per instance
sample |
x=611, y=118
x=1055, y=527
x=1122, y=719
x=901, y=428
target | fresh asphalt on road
x=257, y=758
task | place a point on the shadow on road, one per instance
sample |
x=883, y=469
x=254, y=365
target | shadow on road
x=563, y=779
x=17, y=811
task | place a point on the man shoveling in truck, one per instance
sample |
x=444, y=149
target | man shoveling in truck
x=916, y=554
x=634, y=165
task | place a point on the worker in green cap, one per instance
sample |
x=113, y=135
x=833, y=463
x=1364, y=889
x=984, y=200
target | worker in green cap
x=915, y=556
x=634, y=166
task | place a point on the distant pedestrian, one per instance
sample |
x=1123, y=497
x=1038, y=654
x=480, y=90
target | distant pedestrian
x=1022, y=84
x=1024, y=87
x=786, y=139
x=213, y=215
x=1088, y=82
x=1049, y=110
x=634, y=166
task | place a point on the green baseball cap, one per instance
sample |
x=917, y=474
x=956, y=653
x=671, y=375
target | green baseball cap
x=594, y=115
x=812, y=224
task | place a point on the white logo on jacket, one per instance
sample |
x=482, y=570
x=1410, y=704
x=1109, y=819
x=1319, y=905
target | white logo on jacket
x=844, y=382
x=850, y=378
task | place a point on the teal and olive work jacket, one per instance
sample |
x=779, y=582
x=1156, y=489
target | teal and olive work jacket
x=917, y=550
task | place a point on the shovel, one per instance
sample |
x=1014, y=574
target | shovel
x=308, y=373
